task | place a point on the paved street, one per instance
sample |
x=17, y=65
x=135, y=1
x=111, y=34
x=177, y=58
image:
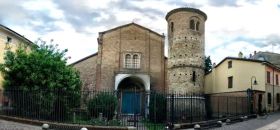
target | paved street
x=7, y=125
x=272, y=122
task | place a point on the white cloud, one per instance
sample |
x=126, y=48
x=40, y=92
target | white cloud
x=98, y=4
x=248, y=20
x=230, y=27
x=46, y=5
x=160, y=5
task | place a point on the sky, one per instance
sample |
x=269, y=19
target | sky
x=232, y=25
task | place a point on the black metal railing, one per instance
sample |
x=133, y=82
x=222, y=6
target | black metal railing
x=147, y=111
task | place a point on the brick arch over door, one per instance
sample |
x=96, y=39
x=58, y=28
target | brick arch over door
x=145, y=79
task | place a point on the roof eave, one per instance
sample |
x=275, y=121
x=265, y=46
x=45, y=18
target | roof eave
x=17, y=34
x=102, y=33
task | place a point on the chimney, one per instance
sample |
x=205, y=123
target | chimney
x=240, y=55
x=255, y=52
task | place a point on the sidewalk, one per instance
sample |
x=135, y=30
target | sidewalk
x=272, y=122
x=8, y=125
x=273, y=126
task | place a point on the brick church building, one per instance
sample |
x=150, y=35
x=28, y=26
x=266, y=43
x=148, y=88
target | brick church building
x=130, y=58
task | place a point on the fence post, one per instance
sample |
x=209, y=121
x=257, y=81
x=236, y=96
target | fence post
x=227, y=107
x=155, y=109
x=242, y=113
x=40, y=100
x=218, y=108
x=236, y=107
x=1, y=100
x=248, y=103
x=134, y=119
x=56, y=116
x=172, y=109
x=191, y=107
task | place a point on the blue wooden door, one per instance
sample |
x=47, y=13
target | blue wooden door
x=131, y=103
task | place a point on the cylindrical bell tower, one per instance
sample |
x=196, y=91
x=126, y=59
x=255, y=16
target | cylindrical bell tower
x=186, y=27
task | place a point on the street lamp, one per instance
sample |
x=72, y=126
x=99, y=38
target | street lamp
x=252, y=92
x=255, y=82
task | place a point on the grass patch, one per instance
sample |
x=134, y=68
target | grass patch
x=85, y=120
x=153, y=126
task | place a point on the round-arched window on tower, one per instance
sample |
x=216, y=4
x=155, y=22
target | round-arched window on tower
x=172, y=27
x=197, y=26
x=192, y=24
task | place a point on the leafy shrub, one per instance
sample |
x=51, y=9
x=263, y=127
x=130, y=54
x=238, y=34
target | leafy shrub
x=114, y=122
x=105, y=103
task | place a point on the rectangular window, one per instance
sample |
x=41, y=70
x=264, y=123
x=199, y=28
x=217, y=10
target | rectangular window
x=269, y=98
x=229, y=64
x=230, y=82
x=194, y=76
x=9, y=39
x=277, y=80
x=278, y=98
x=268, y=77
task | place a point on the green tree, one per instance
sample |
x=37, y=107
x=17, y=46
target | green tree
x=39, y=82
x=208, y=65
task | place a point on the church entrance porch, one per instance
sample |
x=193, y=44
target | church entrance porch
x=132, y=94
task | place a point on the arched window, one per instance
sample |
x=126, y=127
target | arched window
x=197, y=26
x=136, y=61
x=127, y=61
x=192, y=25
x=172, y=27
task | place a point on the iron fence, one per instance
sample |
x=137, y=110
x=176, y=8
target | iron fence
x=146, y=111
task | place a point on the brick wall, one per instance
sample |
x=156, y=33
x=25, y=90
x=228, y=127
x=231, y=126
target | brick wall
x=87, y=70
x=131, y=38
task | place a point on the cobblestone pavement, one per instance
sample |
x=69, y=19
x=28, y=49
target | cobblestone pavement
x=8, y=125
x=271, y=122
